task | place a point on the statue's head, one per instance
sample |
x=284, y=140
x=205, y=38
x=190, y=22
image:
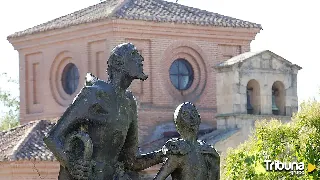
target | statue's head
x=187, y=119
x=126, y=59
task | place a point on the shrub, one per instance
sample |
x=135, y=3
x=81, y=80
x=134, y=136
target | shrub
x=297, y=141
x=9, y=115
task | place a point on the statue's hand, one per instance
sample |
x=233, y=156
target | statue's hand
x=80, y=169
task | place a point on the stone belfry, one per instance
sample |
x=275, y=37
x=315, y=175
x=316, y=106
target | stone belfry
x=257, y=83
x=254, y=86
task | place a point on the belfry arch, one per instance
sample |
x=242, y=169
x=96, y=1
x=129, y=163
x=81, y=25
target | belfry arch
x=278, y=98
x=253, y=97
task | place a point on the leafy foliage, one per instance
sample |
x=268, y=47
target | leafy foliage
x=297, y=141
x=10, y=118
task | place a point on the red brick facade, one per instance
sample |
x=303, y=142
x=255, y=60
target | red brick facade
x=43, y=57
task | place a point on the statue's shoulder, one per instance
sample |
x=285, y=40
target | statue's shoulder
x=90, y=79
x=95, y=88
x=93, y=82
x=176, y=146
x=207, y=149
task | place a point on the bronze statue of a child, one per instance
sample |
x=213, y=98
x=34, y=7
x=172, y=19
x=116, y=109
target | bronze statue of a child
x=195, y=160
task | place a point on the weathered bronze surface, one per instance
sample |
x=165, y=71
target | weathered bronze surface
x=193, y=159
x=97, y=136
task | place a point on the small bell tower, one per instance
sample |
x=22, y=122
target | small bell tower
x=256, y=84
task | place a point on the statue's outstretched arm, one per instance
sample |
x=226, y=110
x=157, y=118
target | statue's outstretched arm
x=73, y=116
x=138, y=162
x=129, y=155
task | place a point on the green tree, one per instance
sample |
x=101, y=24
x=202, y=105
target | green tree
x=297, y=141
x=10, y=117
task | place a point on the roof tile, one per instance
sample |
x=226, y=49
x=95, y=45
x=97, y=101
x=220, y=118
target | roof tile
x=145, y=10
x=35, y=147
x=26, y=142
x=9, y=140
x=237, y=59
x=247, y=55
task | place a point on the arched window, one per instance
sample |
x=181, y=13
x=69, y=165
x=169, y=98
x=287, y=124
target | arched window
x=253, y=97
x=181, y=74
x=70, y=78
x=278, y=98
x=249, y=99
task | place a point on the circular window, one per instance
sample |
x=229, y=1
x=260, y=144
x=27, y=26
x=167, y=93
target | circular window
x=70, y=78
x=181, y=74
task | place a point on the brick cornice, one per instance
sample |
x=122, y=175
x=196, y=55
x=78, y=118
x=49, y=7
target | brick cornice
x=185, y=30
x=141, y=28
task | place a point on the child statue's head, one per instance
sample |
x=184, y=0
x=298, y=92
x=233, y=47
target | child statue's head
x=187, y=119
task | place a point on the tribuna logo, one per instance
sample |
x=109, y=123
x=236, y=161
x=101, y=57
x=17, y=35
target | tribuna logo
x=287, y=166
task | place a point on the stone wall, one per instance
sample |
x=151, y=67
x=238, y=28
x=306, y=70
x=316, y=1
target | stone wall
x=245, y=124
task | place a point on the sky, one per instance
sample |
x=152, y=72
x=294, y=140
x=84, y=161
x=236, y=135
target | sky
x=290, y=29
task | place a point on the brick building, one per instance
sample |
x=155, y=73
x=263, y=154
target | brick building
x=185, y=51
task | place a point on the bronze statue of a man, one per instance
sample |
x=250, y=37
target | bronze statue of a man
x=196, y=160
x=97, y=136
